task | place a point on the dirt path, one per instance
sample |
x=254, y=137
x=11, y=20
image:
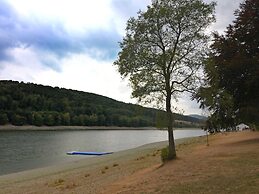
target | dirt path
x=229, y=165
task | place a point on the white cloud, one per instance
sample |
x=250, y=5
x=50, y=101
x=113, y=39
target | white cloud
x=76, y=70
x=123, y=10
x=224, y=13
x=80, y=72
x=24, y=66
x=75, y=15
x=186, y=106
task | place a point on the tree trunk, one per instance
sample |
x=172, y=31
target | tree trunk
x=172, y=152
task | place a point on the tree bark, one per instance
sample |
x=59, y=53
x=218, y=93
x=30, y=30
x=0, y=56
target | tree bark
x=172, y=152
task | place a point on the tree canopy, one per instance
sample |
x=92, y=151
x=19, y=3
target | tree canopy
x=232, y=71
x=163, y=50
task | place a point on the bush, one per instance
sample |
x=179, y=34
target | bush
x=3, y=119
x=164, y=154
x=18, y=120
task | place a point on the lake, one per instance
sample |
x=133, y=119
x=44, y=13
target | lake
x=24, y=150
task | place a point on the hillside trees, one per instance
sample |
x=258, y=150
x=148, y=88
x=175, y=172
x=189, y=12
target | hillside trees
x=31, y=104
x=232, y=71
x=163, y=50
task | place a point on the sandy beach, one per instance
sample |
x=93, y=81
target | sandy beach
x=228, y=165
x=96, y=171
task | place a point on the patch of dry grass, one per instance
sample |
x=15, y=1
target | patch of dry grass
x=234, y=169
x=228, y=165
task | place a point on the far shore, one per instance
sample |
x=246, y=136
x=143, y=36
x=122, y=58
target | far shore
x=57, y=128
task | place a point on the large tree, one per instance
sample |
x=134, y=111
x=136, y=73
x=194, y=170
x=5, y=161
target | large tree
x=163, y=50
x=235, y=62
x=218, y=101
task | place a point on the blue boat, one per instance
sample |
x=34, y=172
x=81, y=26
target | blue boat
x=88, y=153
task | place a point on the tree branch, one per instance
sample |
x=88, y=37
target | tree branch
x=169, y=69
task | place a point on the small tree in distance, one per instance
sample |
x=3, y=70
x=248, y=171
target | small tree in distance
x=163, y=50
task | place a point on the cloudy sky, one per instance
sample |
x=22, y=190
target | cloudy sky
x=73, y=44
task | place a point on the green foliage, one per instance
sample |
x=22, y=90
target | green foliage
x=231, y=88
x=163, y=50
x=3, y=119
x=217, y=100
x=164, y=154
x=161, y=120
x=37, y=119
x=18, y=120
x=31, y=104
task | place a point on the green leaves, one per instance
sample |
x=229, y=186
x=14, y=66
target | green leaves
x=163, y=50
x=232, y=71
x=164, y=47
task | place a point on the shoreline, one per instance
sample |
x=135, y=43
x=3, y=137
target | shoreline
x=140, y=170
x=31, y=158
x=78, y=128
x=60, y=128
x=86, y=163
x=63, y=128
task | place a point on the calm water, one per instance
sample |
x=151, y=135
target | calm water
x=23, y=150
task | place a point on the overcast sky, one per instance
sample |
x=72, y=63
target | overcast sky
x=73, y=44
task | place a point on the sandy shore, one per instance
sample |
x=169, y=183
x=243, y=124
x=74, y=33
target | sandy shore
x=26, y=181
x=228, y=165
x=96, y=171
x=218, y=168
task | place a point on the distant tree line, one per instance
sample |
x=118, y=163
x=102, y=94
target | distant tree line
x=31, y=104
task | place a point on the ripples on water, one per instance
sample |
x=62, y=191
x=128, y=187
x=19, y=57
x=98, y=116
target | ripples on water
x=23, y=150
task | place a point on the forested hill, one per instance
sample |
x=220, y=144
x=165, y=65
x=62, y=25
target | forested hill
x=31, y=104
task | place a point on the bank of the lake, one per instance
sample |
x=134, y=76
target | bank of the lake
x=228, y=165
x=92, y=168
x=55, y=128
x=29, y=149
